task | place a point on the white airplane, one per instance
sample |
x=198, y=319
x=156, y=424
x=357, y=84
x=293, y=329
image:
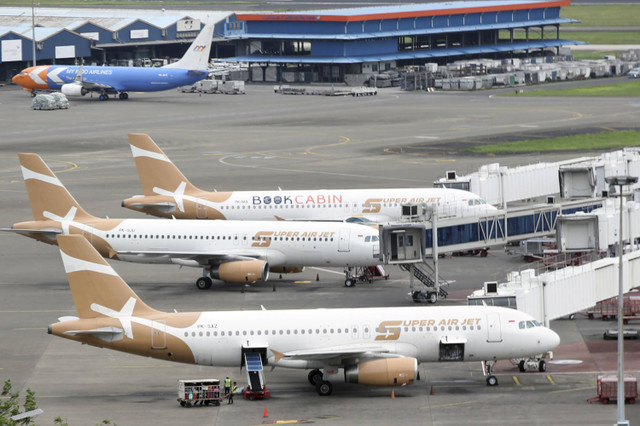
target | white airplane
x=374, y=346
x=168, y=193
x=240, y=252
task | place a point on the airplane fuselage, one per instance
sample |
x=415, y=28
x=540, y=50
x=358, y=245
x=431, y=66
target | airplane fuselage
x=119, y=79
x=183, y=241
x=455, y=333
x=377, y=205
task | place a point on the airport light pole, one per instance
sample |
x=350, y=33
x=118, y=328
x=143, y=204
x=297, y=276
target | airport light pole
x=620, y=181
x=33, y=30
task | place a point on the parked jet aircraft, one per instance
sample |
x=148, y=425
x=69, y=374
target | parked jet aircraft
x=80, y=80
x=240, y=252
x=374, y=346
x=168, y=193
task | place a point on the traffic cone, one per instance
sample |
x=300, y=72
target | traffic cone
x=317, y=277
x=265, y=412
x=393, y=394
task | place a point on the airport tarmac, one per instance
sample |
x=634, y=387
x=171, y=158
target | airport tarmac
x=263, y=141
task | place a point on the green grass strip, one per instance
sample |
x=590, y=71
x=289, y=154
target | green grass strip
x=588, y=142
x=614, y=15
x=626, y=89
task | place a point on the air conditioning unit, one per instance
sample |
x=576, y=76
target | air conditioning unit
x=451, y=175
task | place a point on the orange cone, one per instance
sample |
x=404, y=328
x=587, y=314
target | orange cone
x=393, y=394
x=265, y=412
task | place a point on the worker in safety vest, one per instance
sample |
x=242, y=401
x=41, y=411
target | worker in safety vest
x=234, y=389
x=227, y=386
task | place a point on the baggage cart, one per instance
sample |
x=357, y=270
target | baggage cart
x=199, y=391
x=607, y=388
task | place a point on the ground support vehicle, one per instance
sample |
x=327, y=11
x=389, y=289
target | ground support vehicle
x=608, y=309
x=607, y=388
x=199, y=391
x=250, y=394
x=370, y=273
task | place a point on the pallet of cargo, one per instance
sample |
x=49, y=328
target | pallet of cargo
x=607, y=389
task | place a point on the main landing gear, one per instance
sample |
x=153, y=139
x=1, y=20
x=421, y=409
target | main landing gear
x=323, y=387
x=204, y=283
x=122, y=96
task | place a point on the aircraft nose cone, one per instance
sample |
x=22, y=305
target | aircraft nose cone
x=16, y=79
x=552, y=340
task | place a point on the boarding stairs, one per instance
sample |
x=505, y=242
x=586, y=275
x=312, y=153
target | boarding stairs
x=253, y=362
x=424, y=273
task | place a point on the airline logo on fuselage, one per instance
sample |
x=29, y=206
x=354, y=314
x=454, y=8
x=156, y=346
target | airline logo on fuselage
x=263, y=238
x=390, y=330
x=374, y=205
x=297, y=199
x=199, y=48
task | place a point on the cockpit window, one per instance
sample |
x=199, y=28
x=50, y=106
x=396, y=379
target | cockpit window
x=528, y=324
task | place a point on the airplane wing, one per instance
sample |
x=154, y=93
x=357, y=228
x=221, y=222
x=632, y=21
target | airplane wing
x=338, y=353
x=203, y=258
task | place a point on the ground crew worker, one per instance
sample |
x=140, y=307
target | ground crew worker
x=227, y=386
x=233, y=390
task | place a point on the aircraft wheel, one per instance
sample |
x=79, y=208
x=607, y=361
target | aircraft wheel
x=203, y=283
x=324, y=388
x=542, y=366
x=33, y=94
x=315, y=377
x=103, y=97
x=123, y=96
x=492, y=381
x=521, y=366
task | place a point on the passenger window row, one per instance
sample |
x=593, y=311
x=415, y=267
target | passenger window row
x=280, y=332
x=218, y=237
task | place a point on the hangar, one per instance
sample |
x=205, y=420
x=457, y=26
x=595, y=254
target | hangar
x=330, y=45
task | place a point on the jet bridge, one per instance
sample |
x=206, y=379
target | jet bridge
x=409, y=244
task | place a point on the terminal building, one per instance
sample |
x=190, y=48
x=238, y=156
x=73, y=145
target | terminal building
x=312, y=46
x=330, y=45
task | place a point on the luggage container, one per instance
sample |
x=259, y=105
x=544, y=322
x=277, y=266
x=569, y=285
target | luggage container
x=607, y=388
x=199, y=391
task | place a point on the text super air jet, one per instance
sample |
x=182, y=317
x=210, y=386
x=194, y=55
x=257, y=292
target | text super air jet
x=80, y=80
x=374, y=346
x=168, y=193
x=232, y=251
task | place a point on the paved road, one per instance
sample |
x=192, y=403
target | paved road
x=262, y=141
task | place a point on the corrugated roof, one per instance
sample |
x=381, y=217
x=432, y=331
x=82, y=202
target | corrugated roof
x=398, y=56
x=402, y=10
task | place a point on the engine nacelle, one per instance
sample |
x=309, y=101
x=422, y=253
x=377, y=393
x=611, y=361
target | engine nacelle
x=286, y=269
x=241, y=271
x=73, y=89
x=383, y=372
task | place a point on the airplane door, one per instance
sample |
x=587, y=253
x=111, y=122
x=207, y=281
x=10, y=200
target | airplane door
x=158, y=335
x=494, y=331
x=201, y=210
x=343, y=240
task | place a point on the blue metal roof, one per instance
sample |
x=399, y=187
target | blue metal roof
x=399, y=56
x=418, y=7
x=400, y=33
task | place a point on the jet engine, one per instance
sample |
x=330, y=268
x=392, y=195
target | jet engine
x=383, y=372
x=73, y=89
x=241, y=271
x=286, y=269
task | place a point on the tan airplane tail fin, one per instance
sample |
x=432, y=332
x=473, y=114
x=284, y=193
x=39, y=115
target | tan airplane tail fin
x=156, y=172
x=48, y=196
x=96, y=288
